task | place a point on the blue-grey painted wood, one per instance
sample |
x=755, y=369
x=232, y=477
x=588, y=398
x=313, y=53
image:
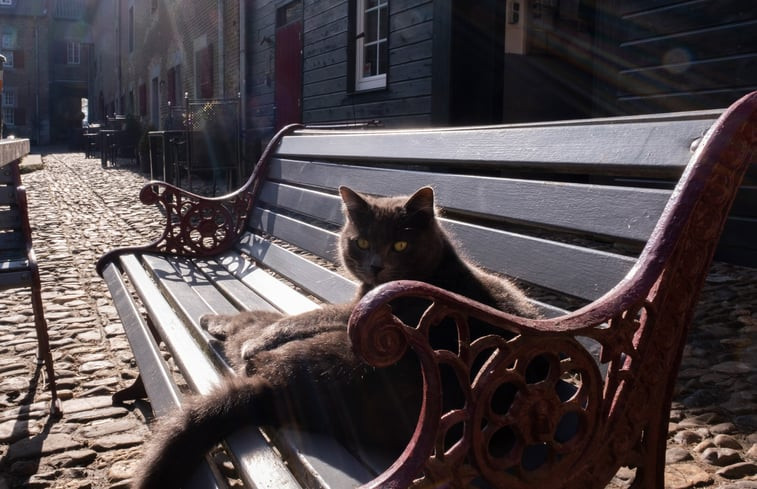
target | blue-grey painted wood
x=12, y=241
x=319, y=281
x=9, y=218
x=241, y=296
x=185, y=289
x=314, y=239
x=11, y=280
x=562, y=267
x=570, y=269
x=616, y=147
x=625, y=213
x=202, y=374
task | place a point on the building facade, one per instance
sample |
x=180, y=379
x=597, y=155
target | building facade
x=150, y=53
x=48, y=44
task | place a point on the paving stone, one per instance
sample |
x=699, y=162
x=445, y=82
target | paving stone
x=738, y=470
x=41, y=445
x=82, y=457
x=117, y=441
x=685, y=476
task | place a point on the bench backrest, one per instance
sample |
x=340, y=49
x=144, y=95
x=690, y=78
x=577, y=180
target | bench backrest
x=14, y=263
x=562, y=207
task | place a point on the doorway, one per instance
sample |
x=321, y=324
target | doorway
x=288, y=59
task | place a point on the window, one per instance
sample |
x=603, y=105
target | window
x=9, y=106
x=73, y=53
x=9, y=40
x=372, y=29
x=8, y=59
x=173, y=85
x=204, y=72
x=6, y=2
x=69, y=9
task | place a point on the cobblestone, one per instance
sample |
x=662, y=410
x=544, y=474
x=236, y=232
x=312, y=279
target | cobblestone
x=80, y=210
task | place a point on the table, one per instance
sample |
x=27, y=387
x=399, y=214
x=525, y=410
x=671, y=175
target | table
x=167, y=138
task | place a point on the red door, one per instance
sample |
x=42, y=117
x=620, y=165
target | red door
x=288, y=96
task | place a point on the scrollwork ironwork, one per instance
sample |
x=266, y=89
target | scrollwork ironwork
x=641, y=326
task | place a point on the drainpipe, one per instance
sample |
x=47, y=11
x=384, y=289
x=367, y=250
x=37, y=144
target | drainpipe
x=221, y=67
x=2, y=62
x=243, y=63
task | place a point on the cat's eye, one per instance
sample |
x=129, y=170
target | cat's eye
x=363, y=244
x=400, y=246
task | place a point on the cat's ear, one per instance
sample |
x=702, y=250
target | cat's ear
x=354, y=203
x=421, y=201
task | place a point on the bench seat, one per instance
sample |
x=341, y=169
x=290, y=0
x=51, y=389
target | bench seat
x=18, y=265
x=595, y=218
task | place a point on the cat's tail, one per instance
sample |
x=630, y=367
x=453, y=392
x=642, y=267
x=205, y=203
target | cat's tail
x=180, y=442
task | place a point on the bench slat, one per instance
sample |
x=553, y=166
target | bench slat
x=202, y=375
x=277, y=294
x=559, y=266
x=236, y=291
x=164, y=395
x=317, y=280
x=7, y=194
x=10, y=218
x=310, y=238
x=617, y=147
x=626, y=213
x=12, y=241
x=184, y=284
x=11, y=280
x=13, y=261
x=572, y=270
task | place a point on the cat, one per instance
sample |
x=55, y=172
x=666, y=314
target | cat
x=300, y=370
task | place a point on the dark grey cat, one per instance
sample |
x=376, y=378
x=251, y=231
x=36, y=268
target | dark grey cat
x=300, y=370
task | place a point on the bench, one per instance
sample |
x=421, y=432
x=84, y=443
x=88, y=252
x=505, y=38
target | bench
x=582, y=213
x=18, y=265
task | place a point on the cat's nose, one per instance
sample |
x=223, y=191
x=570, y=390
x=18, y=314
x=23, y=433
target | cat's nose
x=376, y=269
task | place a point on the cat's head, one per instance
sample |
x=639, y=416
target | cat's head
x=390, y=238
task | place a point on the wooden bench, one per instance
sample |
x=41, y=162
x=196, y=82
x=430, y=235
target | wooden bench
x=582, y=213
x=18, y=265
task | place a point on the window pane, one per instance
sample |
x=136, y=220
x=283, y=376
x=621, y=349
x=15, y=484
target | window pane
x=371, y=3
x=371, y=27
x=384, y=23
x=382, y=58
x=369, y=66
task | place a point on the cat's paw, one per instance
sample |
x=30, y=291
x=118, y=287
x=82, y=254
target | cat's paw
x=215, y=324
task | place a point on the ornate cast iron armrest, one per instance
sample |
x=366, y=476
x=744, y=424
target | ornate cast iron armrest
x=619, y=418
x=196, y=225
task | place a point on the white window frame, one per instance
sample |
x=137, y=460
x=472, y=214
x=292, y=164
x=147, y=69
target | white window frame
x=371, y=82
x=9, y=97
x=73, y=53
x=8, y=59
x=8, y=40
x=6, y=2
x=9, y=106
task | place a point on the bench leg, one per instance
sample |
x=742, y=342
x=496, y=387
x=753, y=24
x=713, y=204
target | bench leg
x=44, y=355
x=135, y=391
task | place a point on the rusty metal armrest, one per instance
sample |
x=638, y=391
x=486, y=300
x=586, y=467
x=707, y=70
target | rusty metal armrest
x=641, y=325
x=196, y=225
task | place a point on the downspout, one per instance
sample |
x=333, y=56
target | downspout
x=221, y=64
x=243, y=64
x=38, y=122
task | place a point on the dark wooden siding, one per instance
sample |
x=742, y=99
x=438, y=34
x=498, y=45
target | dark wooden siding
x=327, y=93
x=327, y=65
x=675, y=55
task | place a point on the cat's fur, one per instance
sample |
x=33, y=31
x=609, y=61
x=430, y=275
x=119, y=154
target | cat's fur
x=300, y=370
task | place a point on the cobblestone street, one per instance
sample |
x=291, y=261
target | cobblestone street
x=79, y=210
